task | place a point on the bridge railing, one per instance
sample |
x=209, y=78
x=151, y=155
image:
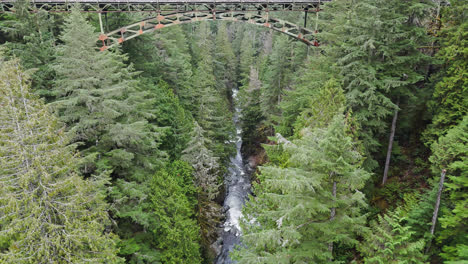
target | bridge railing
x=167, y=5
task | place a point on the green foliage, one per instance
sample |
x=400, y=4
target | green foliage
x=32, y=41
x=420, y=215
x=251, y=116
x=289, y=219
x=450, y=99
x=299, y=102
x=212, y=108
x=49, y=213
x=389, y=241
x=451, y=153
x=322, y=107
x=277, y=78
x=206, y=172
x=177, y=231
x=107, y=113
x=134, y=115
x=225, y=61
x=162, y=108
x=374, y=44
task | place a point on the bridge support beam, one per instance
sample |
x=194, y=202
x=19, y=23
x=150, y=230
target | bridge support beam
x=149, y=25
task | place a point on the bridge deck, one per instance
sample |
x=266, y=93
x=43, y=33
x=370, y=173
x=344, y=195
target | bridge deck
x=176, y=1
x=177, y=6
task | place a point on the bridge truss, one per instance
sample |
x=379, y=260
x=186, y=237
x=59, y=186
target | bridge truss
x=166, y=13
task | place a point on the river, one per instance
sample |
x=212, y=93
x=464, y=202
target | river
x=237, y=184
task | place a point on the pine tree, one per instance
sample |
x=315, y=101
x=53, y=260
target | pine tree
x=163, y=108
x=451, y=153
x=312, y=79
x=178, y=232
x=206, y=166
x=419, y=216
x=276, y=79
x=246, y=55
x=206, y=173
x=212, y=107
x=32, y=40
x=251, y=115
x=375, y=46
x=225, y=61
x=450, y=99
x=301, y=211
x=49, y=213
x=165, y=56
x=389, y=241
x=104, y=109
x=322, y=107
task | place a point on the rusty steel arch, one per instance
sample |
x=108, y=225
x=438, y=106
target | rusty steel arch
x=116, y=37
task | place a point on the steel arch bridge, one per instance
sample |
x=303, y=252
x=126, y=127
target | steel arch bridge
x=166, y=13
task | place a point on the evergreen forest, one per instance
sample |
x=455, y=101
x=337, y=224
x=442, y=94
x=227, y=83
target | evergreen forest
x=355, y=150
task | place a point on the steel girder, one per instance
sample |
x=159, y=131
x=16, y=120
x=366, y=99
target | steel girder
x=118, y=36
x=100, y=6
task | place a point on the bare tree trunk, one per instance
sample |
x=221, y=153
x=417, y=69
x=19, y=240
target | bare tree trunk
x=332, y=216
x=436, y=207
x=390, y=144
x=435, y=29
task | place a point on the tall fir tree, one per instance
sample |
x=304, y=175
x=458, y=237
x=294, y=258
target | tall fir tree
x=276, y=80
x=212, y=106
x=49, y=213
x=375, y=46
x=300, y=212
x=178, y=232
x=225, y=61
x=32, y=39
x=450, y=152
x=99, y=100
x=206, y=174
x=449, y=103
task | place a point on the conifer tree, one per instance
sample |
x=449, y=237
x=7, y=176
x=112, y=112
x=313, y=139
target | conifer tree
x=206, y=166
x=246, y=55
x=49, y=213
x=301, y=211
x=450, y=99
x=178, y=232
x=206, y=172
x=224, y=64
x=276, y=79
x=419, y=216
x=321, y=107
x=163, y=108
x=311, y=80
x=165, y=56
x=251, y=117
x=99, y=101
x=375, y=46
x=451, y=153
x=212, y=107
x=389, y=241
x=31, y=39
